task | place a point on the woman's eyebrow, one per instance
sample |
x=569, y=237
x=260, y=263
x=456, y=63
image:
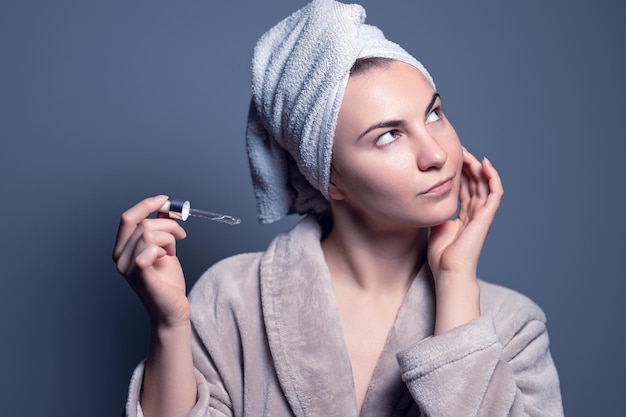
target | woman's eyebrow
x=432, y=103
x=383, y=125
x=398, y=123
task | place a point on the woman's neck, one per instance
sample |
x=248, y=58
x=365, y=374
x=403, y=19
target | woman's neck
x=382, y=261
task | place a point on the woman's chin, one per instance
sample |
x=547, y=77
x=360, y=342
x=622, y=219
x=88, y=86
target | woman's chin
x=442, y=215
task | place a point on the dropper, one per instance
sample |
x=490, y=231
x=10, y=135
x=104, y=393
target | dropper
x=181, y=210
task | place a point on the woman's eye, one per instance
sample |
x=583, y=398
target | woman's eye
x=387, y=137
x=434, y=115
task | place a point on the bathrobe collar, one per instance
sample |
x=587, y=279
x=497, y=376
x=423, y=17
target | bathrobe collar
x=306, y=339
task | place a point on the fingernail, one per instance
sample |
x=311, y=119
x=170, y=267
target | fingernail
x=487, y=161
x=160, y=197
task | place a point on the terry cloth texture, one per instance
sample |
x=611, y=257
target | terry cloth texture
x=300, y=70
x=268, y=342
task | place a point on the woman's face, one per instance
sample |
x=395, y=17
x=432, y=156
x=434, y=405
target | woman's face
x=396, y=159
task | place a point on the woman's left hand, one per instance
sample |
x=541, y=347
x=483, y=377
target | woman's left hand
x=454, y=247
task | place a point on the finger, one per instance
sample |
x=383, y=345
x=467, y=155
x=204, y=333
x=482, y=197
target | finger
x=124, y=261
x=496, y=190
x=480, y=187
x=144, y=262
x=146, y=258
x=160, y=232
x=464, y=197
x=164, y=225
x=471, y=179
x=472, y=163
x=132, y=217
x=484, y=213
x=165, y=240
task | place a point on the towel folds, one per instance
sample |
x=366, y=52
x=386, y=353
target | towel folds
x=300, y=70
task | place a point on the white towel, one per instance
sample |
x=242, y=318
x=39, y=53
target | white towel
x=300, y=70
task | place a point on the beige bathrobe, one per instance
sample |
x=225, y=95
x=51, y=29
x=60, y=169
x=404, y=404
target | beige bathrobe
x=268, y=342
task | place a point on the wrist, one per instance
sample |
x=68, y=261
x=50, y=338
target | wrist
x=167, y=333
x=457, y=302
x=173, y=319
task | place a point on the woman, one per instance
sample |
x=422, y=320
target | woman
x=370, y=305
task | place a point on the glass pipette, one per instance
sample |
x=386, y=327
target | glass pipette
x=181, y=210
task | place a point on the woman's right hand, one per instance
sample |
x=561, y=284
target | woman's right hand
x=145, y=254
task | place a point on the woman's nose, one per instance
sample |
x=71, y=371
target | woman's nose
x=430, y=154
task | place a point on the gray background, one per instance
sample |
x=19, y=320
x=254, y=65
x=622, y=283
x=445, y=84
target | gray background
x=104, y=103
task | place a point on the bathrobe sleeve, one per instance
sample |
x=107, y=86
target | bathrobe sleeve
x=496, y=365
x=227, y=336
x=212, y=397
x=223, y=313
x=201, y=409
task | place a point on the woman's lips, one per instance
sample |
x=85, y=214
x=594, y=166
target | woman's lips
x=440, y=188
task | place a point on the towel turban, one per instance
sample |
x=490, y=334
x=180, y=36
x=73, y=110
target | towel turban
x=300, y=70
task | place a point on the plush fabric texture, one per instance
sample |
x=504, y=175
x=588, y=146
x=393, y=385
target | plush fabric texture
x=268, y=342
x=300, y=69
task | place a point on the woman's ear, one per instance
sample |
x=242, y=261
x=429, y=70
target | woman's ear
x=335, y=192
